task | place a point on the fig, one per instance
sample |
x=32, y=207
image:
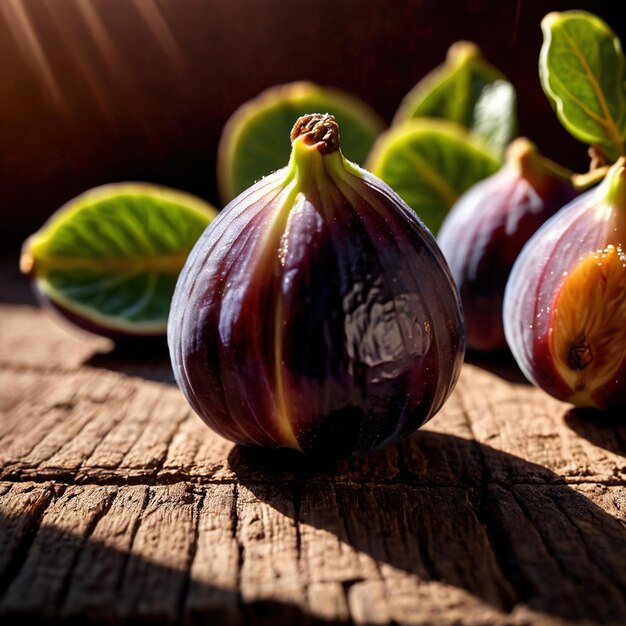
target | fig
x=108, y=260
x=316, y=312
x=487, y=228
x=565, y=302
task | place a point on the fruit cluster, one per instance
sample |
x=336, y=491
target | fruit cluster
x=317, y=311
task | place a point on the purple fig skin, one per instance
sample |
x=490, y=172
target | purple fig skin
x=317, y=314
x=592, y=228
x=485, y=231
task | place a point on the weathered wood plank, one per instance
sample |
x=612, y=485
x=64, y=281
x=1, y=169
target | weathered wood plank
x=156, y=576
x=94, y=587
x=524, y=422
x=214, y=573
x=33, y=339
x=272, y=555
x=102, y=426
x=507, y=508
x=41, y=583
x=67, y=415
x=267, y=534
x=553, y=567
x=21, y=507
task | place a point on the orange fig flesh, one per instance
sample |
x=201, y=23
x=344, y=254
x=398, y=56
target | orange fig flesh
x=588, y=326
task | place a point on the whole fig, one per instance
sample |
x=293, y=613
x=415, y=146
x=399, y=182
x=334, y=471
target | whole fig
x=565, y=302
x=488, y=226
x=317, y=311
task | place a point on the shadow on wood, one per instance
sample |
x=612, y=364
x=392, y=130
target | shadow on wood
x=48, y=576
x=607, y=430
x=529, y=540
x=500, y=363
x=147, y=358
x=437, y=536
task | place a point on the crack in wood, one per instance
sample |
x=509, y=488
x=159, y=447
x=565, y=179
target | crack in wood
x=53, y=370
x=499, y=545
x=104, y=476
x=184, y=590
x=65, y=586
x=133, y=534
x=128, y=442
x=33, y=521
x=158, y=467
x=241, y=555
x=297, y=502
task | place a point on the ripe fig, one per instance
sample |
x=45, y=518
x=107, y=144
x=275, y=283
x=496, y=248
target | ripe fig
x=565, y=302
x=316, y=312
x=488, y=226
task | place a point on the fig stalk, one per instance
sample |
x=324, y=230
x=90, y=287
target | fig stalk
x=317, y=311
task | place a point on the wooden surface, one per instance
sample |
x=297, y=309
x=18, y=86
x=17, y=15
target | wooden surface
x=117, y=504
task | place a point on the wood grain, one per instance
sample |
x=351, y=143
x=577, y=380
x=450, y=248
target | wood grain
x=118, y=505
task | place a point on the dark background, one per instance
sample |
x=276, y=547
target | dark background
x=95, y=91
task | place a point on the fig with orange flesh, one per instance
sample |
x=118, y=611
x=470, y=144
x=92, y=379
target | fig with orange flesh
x=488, y=226
x=565, y=302
x=316, y=312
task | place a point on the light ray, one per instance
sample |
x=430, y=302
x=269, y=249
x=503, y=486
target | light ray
x=86, y=68
x=25, y=36
x=105, y=47
x=153, y=17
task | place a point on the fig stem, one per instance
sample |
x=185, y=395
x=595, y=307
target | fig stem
x=589, y=179
x=599, y=167
x=525, y=155
x=597, y=158
x=319, y=130
x=616, y=184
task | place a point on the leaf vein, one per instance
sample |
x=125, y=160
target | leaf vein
x=610, y=124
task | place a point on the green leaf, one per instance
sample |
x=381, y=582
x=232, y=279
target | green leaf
x=256, y=139
x=430, y=163
x=466, y=89
x=112, y=255
x=493, y=118
x=581, y=67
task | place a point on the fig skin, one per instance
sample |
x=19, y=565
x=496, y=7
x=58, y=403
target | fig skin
x=316, y=312
x=488, y=226
x=542, y=304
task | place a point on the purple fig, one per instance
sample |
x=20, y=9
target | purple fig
x=488, y=226
x=565, y=303
x=316, y=312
